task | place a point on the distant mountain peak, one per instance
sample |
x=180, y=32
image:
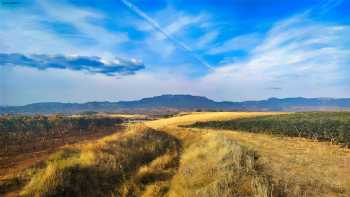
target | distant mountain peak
x=273, y=98
x=176, y=97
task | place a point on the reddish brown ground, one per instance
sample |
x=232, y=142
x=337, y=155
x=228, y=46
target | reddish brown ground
x=26, y=155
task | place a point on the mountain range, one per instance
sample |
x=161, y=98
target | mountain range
x=182, y=103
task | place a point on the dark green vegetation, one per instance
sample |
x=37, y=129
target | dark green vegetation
x=328, y=126
x=16, y=132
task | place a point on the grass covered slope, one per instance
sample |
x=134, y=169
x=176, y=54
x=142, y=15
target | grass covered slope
x=163, y=158
x=330, y=126
x=146, y=162
x=124, y=164
x=297, y=166
x=303, y=167
x=215, y=165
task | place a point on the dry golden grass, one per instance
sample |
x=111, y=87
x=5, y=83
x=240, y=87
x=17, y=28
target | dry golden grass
x=307, y=167
x=218, y=166
x=211, y=164
x=122, y=164
x=304, y=167
x=10, y=165
x=190, y=118
x=169, y=160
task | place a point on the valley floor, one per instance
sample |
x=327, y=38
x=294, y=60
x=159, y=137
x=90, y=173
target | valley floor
x=178, y=161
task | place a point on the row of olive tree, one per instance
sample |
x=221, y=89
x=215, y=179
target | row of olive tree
x=329, y=126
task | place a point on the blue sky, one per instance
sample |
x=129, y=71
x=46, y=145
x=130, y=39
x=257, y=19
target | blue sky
x=78, y=51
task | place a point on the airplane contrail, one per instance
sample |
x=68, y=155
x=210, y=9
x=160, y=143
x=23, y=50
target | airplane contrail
x=157, y=27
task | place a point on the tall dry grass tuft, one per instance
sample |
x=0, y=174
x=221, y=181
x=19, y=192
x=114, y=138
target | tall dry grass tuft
x=219, y=166
x=123, y=164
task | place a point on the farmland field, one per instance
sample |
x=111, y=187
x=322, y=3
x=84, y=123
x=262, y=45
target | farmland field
x=168, y=157
x=330, y=126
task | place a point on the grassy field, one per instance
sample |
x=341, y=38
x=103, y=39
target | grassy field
x=164, y=158
x=297, y=166
x=25, y=140
x=119, y=165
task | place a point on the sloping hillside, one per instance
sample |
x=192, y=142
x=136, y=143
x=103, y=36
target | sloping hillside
x=297, y=166
x=162, y=158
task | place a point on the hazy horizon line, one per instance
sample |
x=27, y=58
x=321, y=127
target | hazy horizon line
x=129, y=100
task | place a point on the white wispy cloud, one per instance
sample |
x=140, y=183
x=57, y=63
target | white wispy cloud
x=179, y=24
x=297, y=56
x=20, y=31
x=328, y=5
x=81, y=19
x=296, y=52
x=207, y=39
x=162, y=31
x=33, y=30
x=182, y=21
x=242, y=42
